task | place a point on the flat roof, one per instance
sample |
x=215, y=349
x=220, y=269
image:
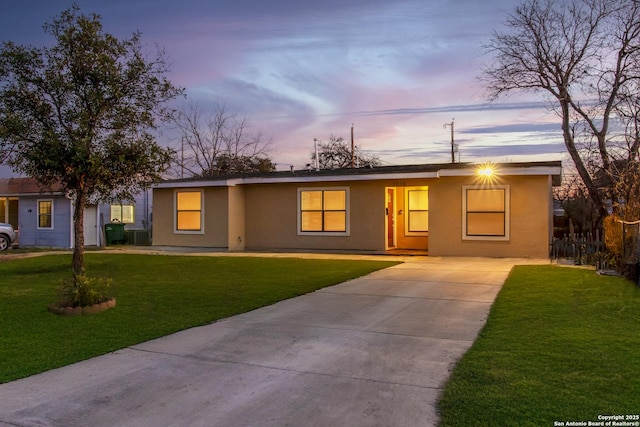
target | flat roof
x=549, y=168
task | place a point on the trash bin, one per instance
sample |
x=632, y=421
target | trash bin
x=114, y=232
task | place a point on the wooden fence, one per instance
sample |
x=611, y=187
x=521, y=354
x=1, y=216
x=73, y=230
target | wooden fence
x=579, y=249
x=589, y=249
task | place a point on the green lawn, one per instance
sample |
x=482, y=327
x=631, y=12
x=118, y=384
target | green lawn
x=560, y=344
x=156, y=296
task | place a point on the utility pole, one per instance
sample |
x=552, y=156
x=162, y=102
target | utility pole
x=353, y=154
x=182, y=157
x=315, y=149
x=453, y=158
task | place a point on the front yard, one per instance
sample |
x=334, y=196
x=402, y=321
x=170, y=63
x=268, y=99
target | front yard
x=156, y=296
x=560, y=345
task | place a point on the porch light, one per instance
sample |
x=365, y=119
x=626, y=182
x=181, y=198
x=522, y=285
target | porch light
x=486, y=171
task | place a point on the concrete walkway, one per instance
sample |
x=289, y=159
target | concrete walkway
x=374, y=351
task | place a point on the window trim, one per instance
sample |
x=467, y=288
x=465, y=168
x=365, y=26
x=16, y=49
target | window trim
x=38, y=201
x=507, y=212
x=407, y=211
x=347, y=231
x=175, y=211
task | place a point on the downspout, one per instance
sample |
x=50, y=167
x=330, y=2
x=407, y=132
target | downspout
x=72, y=204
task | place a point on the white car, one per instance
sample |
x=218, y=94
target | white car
x=7, y=236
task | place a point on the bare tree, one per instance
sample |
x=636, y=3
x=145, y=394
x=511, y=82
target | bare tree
x=336, y=154
x=574, y=199
x=219, y=143
x=584, y=55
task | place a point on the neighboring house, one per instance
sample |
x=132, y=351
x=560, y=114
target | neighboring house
x=44, y=217
x=439, y=209
x=136, y=216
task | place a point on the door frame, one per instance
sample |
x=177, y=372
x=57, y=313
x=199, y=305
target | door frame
x=91, y=225
x=390, y=218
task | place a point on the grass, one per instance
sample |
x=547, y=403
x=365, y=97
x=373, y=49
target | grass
x=560, y=344
x=156, y=296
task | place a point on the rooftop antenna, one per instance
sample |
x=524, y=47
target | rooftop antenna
x=453, y=146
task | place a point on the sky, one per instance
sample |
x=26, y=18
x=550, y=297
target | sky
x=396, y=71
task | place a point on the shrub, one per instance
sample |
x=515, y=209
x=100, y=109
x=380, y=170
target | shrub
x=613, y=234
x=82, y=291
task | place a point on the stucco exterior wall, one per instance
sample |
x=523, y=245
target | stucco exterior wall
x=237, y=237
x=215, y=224
x=271, y=218
x=530, y=207
x=264, y=216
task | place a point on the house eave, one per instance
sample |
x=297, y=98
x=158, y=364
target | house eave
x=336, y=178
x=458, y=170
x=201, y=183
x=42, y=194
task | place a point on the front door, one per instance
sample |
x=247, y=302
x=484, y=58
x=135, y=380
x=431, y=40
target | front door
x=390, y=213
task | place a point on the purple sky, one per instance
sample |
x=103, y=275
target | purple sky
x=397, y=70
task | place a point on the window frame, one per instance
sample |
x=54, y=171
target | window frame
x=51, y=226
x=506, y=212
x=407, y=211
x=347, y=210
x=121, y=207
x=176, y=230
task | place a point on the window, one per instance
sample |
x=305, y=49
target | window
x=45, y=213
x=417, y=208
x=485, y=213
x=323, y=211
x=189, y=211
x=123, y=213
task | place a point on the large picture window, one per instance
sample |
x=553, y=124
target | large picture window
x=189, y=212
x=485, y=213
x=45, y=213
x=323, y=211
x=417, y=208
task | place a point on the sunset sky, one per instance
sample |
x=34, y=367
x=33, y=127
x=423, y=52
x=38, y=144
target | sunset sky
x=397, y=70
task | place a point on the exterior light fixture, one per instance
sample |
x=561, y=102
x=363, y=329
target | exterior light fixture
x=486, y=172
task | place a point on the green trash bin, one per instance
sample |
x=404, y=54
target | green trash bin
x=114, y=232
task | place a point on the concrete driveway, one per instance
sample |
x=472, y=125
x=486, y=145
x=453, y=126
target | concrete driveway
x=374, y=351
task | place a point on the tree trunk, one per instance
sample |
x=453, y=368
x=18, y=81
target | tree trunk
x=77, y=265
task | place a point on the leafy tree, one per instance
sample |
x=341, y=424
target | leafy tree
x=584, y=57
x=219, y=143
x=336, y=154
x=81, y=113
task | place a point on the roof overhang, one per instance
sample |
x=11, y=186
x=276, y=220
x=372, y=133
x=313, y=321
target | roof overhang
x=504, y=170
x=553, y=170
x=335, y=178
x=200, y=183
